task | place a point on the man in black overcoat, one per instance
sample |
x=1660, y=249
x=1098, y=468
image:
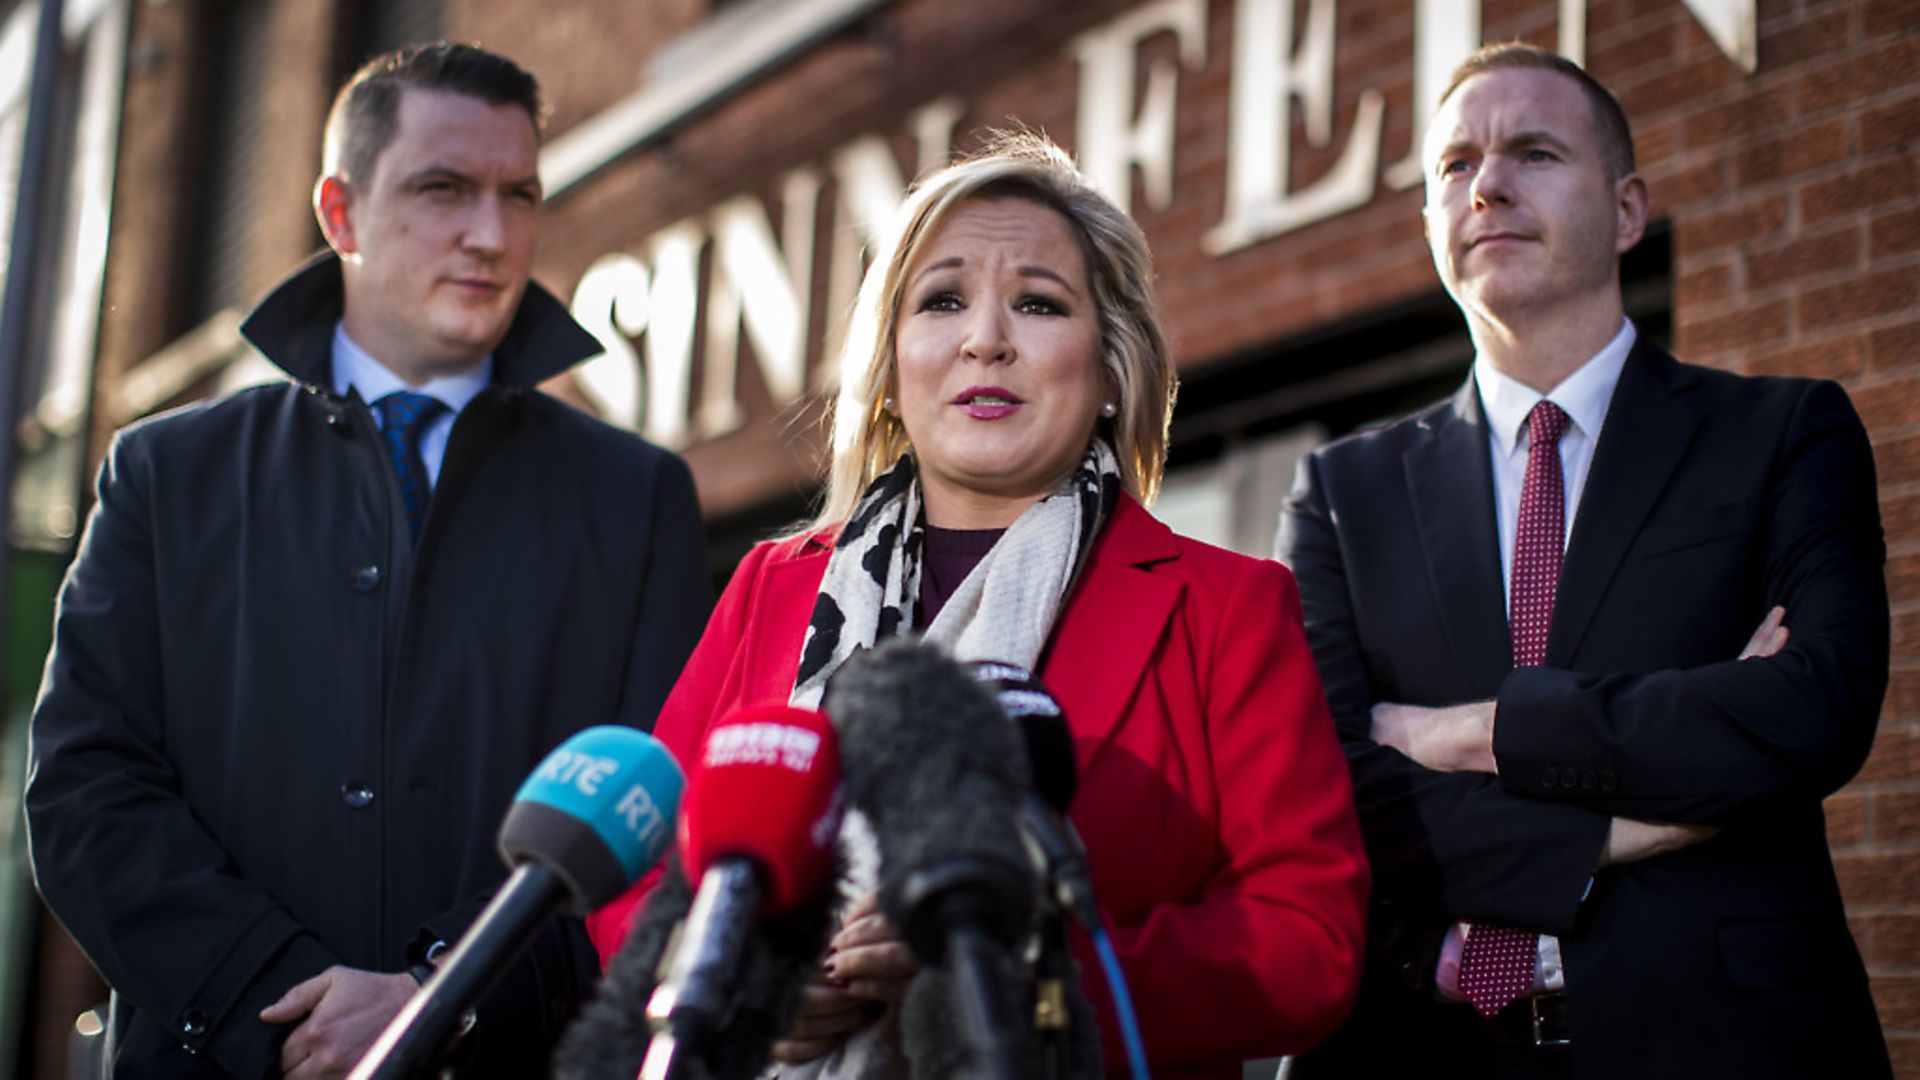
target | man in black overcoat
x=318, y=632
x=1590, y=788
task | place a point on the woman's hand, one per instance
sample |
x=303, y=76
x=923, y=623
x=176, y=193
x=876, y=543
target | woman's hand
x=867, y=957
x=867, y=967
x=826, y=1014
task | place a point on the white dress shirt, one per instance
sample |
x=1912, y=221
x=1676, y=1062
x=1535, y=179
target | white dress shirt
x=1506, y=403
x=356, y=369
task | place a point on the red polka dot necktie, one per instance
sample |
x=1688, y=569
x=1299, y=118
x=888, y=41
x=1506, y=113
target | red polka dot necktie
x=1497, y=962
x=403, y=417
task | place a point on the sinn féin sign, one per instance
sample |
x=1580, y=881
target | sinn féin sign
x=646, y=303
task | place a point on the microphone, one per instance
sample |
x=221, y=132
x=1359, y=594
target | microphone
x=745, y=801
x=1054, y=843
x=589, y=821
x=762, y=817
x=931, y=760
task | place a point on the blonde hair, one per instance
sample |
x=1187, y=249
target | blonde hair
x=867, y=439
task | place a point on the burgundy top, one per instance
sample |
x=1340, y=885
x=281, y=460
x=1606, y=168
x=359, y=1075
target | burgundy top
x=947, y=556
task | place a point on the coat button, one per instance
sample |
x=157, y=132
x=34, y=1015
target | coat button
x=1412, y=977
x=337, y=422
x=193, y=1023
x=1570, y=777
x=1550, y=777
x=366, y=579
x=1608, y=781
x=1588, y=781
x=356, y=794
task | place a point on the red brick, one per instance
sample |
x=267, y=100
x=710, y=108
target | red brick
x=1753, y=326
x=1888, y=17
x=1905, y=1051
x=1903, y=576
x=1846, y=820
x=1906, y=639
x=1789, y=153
x=1886, y=404
x=1877, y=879
x=1839, y=358
x=1726, y=225
x=1786, y=43
x=1894, y=940
x=1895, y=756
x=1896, y=123
x=1896, y=817
x=1707, y=285
x=1897, y=998
x=1899, y=515
x=1753, y=114
x=1857, y=78
x=1805, y=256
x=1681, y=81
x=1696, y=183
x=1896, y=232
x=1890, y=179
x=1894, y=347
x=1885, y=292
x=1903, y=685
x=1655, y=143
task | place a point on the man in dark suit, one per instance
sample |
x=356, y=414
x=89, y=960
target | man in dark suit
x=319, y=632
x=1591, y=789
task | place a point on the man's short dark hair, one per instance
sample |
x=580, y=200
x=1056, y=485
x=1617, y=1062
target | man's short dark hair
x=1609, y=119
x=366, y=111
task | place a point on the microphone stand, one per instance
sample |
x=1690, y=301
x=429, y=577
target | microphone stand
x=689, y=1007
x=971, y=910
x=1051, y=1017
x=974, y=962
x=414, y=1040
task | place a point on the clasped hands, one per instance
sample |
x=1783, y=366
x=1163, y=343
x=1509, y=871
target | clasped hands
x=867, y=967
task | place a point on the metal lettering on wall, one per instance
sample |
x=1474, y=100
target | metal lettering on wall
x=763, y=285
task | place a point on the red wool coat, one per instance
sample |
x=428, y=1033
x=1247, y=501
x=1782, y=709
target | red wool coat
x=1213, y=796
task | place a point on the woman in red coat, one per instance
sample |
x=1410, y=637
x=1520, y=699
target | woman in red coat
x=1003, y=418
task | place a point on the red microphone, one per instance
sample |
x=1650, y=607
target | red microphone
x=759, y=820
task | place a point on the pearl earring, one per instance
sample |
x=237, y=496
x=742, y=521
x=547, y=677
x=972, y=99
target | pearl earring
x=1109, y=409
x=886, y=403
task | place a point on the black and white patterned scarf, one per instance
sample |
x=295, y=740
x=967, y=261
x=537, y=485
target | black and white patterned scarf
x=1005, y=608
x=1003, y=611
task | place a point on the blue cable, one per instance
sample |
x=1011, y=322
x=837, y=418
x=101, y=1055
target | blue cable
x=1122, y=1003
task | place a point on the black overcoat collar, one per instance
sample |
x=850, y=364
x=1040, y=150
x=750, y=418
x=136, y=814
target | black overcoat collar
x=293, y=327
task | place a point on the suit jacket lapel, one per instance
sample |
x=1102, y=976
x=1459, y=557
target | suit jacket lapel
x=1450, y=484
x=1116, y=616
x=1645, y=437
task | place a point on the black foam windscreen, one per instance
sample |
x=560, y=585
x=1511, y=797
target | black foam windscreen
x=928, y=756
x=609, y=1039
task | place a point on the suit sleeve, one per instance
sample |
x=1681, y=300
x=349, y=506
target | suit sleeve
x=1267, y=958
x=1443, y=845
x=677, y=598
x=119, y=855
x=1715, y=743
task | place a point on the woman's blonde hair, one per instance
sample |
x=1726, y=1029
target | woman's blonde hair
x=867, y=439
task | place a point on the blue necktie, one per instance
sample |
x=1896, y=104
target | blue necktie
x=403, y=415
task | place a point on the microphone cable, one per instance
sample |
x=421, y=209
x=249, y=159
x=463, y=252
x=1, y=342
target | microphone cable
x=1122, y=1002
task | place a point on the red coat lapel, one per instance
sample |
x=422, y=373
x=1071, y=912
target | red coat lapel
x=1105, y=640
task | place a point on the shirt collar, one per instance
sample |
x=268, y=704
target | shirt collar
x=1583, y=395
x=356, y=369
